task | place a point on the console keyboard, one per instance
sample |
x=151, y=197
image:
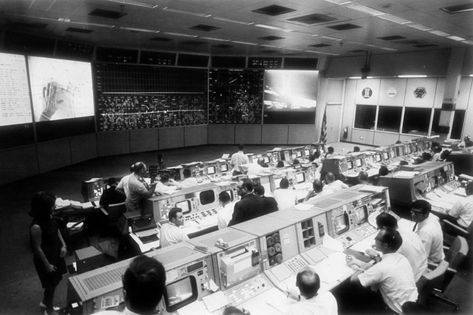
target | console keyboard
x=247, y=290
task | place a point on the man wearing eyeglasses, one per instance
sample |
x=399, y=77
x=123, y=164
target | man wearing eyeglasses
x=429, y=230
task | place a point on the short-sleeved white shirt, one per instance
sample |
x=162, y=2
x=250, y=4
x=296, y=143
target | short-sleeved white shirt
x=137, y=188
x=123, y=184
x=431, y=235
x=172, y=234
x=413, y=249
x=225, y=215
x=463, y=210
x=286, y=198
x=323, y=303
x=395, y=279
x=239, y=158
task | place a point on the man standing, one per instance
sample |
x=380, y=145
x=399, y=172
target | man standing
x=238, y=159
x=269, y=203
x=249, y=207
x=138, y=189
x=171, y=233
x=429, y=230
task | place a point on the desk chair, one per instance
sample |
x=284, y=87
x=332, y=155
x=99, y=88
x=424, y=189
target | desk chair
x=452, y=230
x=115, y=221
x=455, y=255
x=76, y=231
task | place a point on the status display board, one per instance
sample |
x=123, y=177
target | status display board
x=235, y=96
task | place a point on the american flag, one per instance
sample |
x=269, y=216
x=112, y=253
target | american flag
x=323, y=132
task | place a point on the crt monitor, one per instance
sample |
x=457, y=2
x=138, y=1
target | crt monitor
x=349, y=164
x=378, y=157
x=385, y=156
x=206, y=197
x=230, y=193
x=223, y=168
x=358, y=162
x=306, y=153
x=266, y=159
x=341, y=223
x=361, y=214
x=210, y=170
x=300, y=178
x=298, y=153
x=185, y=205
x=180, y=293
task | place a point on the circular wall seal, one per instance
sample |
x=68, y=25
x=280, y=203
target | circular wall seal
x=420, y=92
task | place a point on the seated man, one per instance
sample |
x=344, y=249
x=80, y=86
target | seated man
x=225, y=213
x=269, y=203
x=363, y=178
x=188, y=180
x=111, y=195
x=429, y=230
x=310, y=301
x=285, y=196
x=171, y=232
x=166, y=185
x=462, y=211
x=333, y=183
x=318, y=190
x=393, y=274
x=249, y=207
x=144, y=283
x=412, y=247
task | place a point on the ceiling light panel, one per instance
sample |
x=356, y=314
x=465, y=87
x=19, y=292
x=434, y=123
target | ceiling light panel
x=364, y=9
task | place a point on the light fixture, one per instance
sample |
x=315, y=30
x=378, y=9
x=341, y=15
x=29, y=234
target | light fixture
x=354, y=78
x=394, y=19
x=412, y=76
x=205, y=15
x=244, y=43
x=419, y=27
x=180, y=34
x=232, y=21
x=134, y=29
x=215, y=39
x=136, y=3
x=439, y=33
x=457, y=38
x=364, y=9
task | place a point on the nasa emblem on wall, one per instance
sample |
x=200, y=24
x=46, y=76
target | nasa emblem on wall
x=420, y=92
x=366, y=92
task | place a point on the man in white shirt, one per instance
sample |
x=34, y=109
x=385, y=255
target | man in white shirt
x=188, y=181
x=333, y=183
x=412, y=247
x=285, y=196
x=123, y=184
x=310, y=300
x=318, y=191
x=225, y=213
x=171, y=233
x=238, y=159
x=144, y=283
x=138, y=189
x=462, y=210
x=166, y=185
x=429, y=230
x=393, y=274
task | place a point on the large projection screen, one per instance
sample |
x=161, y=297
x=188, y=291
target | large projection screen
x=60, y=89
x=15, y=105
x=290, y=96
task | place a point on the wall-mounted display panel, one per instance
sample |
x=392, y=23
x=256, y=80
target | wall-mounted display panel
x=60, y=89
x=420, y=92
x=416, y=120
x=290, y=96
x=389, y=118
x=392, y=92
x=365, y=116
x=367, y=91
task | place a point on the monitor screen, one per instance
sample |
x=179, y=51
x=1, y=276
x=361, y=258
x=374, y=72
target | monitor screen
x=358, y=162
x=230, y=193
x=185, y=205
x=408, y=149
x=266, y=159
x=298, y=153
x=180, y=293
x=210, y=170
x=349, y=165
x=206, y=197
x=341, y=223
x=300, y=177
x=306, y=153
x=378, y=157
x=15, y=106
x=223, y=167
x=60, y=89
x=385, y=156
x=361, y=214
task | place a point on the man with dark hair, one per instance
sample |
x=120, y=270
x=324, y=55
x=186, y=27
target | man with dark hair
x=330, y=152
x=383, y=170
x=249, y=207
x=429, y=230
x=411, y=248
x=166, y=185
x=363, y=178
x=317, y=190
x=269, y=203
x=285, y=196
x=393, y=274
x=225, y=213
x=462, y=210
x=356, y=148
x=188, y=180
x=333, y=183
x=144, y=283
x=238, y=159
x=310, y=300
x=138, y=189
x=171, y=233
x=111, y=195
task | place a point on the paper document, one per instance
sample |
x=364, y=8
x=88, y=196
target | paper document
x=215, y=301
x=303, y=206
x=194, y=308
x=407, y=174
x=332, y=244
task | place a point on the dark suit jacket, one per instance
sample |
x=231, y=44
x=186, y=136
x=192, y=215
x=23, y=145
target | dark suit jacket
x=249, y=207
x=269, y=204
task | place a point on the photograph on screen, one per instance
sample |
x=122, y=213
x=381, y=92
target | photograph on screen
x=289, y=96
x=180, y=293
x=15, y=106
x=60, y=89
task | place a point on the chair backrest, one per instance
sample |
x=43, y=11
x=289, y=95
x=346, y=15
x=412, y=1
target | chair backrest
x=457, y=252
x=432, y=278
x=116, y=210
